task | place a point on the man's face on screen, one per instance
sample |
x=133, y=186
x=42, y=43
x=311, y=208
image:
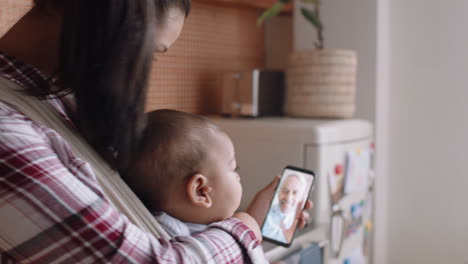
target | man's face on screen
x=290, y=193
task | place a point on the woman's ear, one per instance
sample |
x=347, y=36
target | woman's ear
x=199, y=191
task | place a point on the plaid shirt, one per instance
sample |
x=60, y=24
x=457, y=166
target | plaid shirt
x=54, y=199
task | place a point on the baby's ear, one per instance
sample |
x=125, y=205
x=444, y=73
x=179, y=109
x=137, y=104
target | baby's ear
x=199, y=192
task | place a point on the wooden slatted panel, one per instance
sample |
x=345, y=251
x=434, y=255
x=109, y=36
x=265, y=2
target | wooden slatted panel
x=215, y=39
x=11, y=11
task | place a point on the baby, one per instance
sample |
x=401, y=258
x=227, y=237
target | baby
x=185, y=172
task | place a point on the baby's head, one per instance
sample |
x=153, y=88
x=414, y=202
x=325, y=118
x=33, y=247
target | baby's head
x=185, y=166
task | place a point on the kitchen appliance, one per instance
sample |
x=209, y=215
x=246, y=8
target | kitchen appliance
x=265, y=145
x=253, y=93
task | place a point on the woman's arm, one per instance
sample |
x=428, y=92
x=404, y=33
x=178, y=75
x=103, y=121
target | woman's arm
x=53, y=210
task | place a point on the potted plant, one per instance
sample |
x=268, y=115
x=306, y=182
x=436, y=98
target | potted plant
x=320, y=82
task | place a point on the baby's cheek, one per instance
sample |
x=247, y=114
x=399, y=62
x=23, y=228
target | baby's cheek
x=239, y=195
x=236, y=196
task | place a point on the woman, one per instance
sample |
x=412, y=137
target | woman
x=52, y=209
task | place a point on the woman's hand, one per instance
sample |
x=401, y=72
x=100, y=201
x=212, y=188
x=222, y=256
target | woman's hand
x=258, y=208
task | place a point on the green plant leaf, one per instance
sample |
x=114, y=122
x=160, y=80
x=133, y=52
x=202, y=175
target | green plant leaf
x=311, y=1
x=286, y=1
x=271, y=12
x=309, y=15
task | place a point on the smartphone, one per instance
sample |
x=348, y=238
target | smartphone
x=289, y=198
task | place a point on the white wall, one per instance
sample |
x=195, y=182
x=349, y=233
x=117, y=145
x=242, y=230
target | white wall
x=348, y=25
x=382, y=132
x=414, y=82
x=428, y=136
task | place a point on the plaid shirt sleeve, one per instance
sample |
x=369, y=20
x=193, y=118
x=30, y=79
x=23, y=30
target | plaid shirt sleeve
x=52, y=210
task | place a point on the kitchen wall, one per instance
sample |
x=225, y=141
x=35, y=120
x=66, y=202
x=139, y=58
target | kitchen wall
x=347, y=25
x=427, y=130
x=412, y=83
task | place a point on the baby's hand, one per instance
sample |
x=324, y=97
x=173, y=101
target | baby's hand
x=250, y=222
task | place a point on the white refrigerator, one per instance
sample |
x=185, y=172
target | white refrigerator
x=340, y=154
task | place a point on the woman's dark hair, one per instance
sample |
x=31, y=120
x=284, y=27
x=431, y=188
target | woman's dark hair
x=105, y=59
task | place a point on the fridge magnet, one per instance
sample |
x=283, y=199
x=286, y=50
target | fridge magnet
x=336, y=183
x=357, y=171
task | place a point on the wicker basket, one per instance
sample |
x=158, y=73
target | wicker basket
x=321, y=83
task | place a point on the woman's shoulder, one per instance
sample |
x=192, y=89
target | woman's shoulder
x=19, y=133
x=8, y=112
x=13, y=121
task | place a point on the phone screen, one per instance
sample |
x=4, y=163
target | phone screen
x=290, y=196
